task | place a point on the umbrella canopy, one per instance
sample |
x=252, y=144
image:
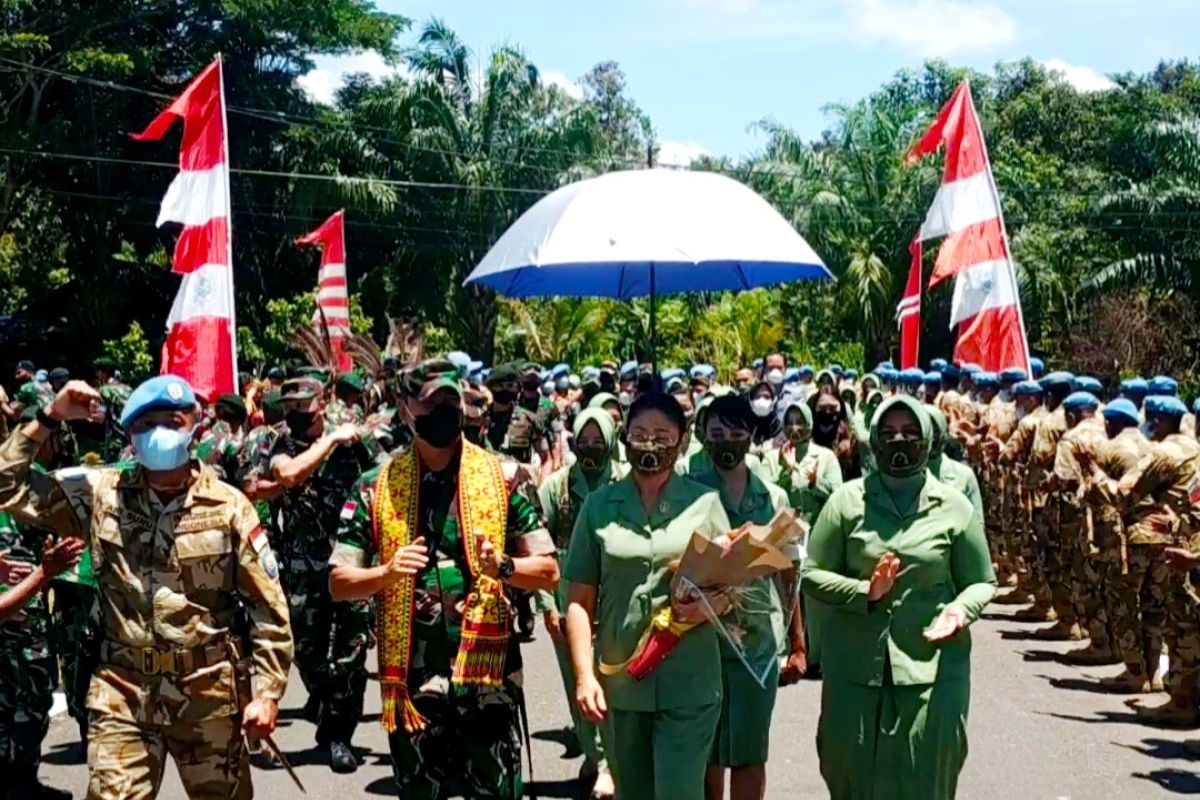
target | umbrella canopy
x=646, y=232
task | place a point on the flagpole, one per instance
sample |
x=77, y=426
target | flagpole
x=1012, y=272
x=229, y=226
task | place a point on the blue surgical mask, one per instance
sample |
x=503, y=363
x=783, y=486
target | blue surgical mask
x=161, y=449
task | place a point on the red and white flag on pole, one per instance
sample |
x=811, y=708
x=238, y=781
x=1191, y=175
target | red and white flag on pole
x=908, y=313
x=333, y=301
x=201, y=344
x=986, y=305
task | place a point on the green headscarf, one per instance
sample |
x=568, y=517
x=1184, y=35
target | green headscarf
x=871, y=404
x=902, y=480
x=608, y=429
x=806, y=414
x=937, y=444
x=603, y=397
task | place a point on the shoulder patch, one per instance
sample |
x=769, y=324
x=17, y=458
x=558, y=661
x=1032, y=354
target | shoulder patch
x=258, y=540
x=348, y=509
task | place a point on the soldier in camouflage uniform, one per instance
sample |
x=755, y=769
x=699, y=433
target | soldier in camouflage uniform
x=1013, y=458
x=115, y=394
x=346, y=405
x=1161, y=493
x=1080, y=554
x=1104, y=465
x=32, y=393
x=220, y=446
x=316, y=466
x=468, y=742
x=183, y=568
x=513, y=429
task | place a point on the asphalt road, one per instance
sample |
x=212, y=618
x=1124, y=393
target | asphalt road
x=1038, y=731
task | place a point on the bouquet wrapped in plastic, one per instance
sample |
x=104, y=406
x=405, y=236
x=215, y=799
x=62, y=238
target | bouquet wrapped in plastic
x=707, y=580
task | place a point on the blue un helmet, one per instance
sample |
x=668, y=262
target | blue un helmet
x=1135, y=389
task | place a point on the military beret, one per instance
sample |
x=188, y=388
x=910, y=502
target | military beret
x=705, y=370
x=59, y=374
x=231, y=403
x=430, y=376
x=1027, y=389
x=933, y=379
x=805, y=371
x=1161, y=384
x=352, y=381
x=26, y=365
x=912, y=376
x=1166, y=405
x=276, y=373
x=504, y=373
x=163, y=393
x=951, y=371
x=560, y=371
x=1122, y=409
x=533, y=368
x=986, y=380
x=589, y=373
x=1057, y=379
x=884, y=365
x=889, y=374
x=1086, y=383
x=1077, y=401
x=301, y=388
x=1135, y=386
x=316, y=373
x=104, y=363
x=1037, y=365
x=1012, y=375
x=672, y=374
x=971, y=369
x=629, y=370
x=938, y=364
x=273, y=400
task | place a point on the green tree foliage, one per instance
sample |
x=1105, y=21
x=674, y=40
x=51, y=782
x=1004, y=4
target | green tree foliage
x=131, y=354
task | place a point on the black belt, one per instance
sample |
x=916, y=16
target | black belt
x=164, y=660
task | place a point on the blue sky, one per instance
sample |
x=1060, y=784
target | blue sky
x=705, y=70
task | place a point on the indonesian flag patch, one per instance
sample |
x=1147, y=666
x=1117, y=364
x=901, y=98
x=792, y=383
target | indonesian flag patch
x=348, y=509
x=258, y=539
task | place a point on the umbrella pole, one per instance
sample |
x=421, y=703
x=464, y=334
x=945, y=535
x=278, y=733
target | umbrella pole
x=653, y=332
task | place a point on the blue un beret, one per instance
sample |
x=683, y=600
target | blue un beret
x=164, y=393
x=1165, y=404
x=884, y=365
x=1013, y=375
x=888, y=375
x=1122, y=409
x=971, y=369
x=1057, y=379
x=951, y=371
x=1027, y=389
x=1161, y=384
x=912, y=376
x=1037, y=365
x=986, y=380
x=1135, y=386
x=805, y=371
x=937, y=364
x=933, y=379
x=1086, y=383
x=1079, y=400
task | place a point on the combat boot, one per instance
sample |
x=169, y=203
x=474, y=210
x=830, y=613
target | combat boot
x=341, y=758
x=1178, y=712
x=1129, y=683
x=1061, y=631
x=1017, y=597
x=1036, y=613
x=1092, y=655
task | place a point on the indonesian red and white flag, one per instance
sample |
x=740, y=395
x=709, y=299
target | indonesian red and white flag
x=201, y=344
x=986, y=305
x=333, y=301
x=908, y=313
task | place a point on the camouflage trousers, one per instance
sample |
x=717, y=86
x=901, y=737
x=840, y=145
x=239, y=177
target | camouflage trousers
x=27, y=680
x=126, y=760
x=1092, y=577
x=1028, y=546
x=331, y=641
x=1182, y=634
x=1139, y=608
x=470, y=748
x=76, y=642
x=1056, y=552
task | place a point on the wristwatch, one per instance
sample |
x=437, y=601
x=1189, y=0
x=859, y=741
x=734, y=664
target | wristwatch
x=47, y=421
x=506, y=567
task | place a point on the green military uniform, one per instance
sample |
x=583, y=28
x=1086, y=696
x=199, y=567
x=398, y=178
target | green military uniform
x=338, y=412
x=949, y=471
x=471, y=745
x=114, y=394
x=893, y=704
x=27, y=669
x=748, y=700
x=331, y=638
x=173, y=675
x=561, y=497
x=220, y=446
x=35, y=394
x=254, y=461
x=662, y=726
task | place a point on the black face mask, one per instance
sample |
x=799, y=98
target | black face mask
x=473, y=434
x=797, y=434
x=903, y=458
x=504, y=397
x=440, y=427
x=648, y=458
x=592, y=457
x=826, y=419
x=728, y=453
x=299, y=422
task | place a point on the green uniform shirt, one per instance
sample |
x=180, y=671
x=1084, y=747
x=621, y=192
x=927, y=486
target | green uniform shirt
x=806, y=496
x=943, y=559
x=24, y=543
x=961, y=477
x=627, y=558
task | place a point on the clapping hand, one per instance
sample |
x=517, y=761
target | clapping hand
x=410, y=559
x=60, y=556
x=884, y=576
x=952, y=620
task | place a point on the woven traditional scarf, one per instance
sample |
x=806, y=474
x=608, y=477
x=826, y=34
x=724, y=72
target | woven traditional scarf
x=482, y=509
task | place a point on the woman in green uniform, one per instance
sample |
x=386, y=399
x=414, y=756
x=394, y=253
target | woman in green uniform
x=619, y=566
x=562, y=496
x=903, y=561
x=808, y=472
x=947, y=470
x=749, y=688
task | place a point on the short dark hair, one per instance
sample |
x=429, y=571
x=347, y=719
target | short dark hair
x=731, y=409
x=657, y=401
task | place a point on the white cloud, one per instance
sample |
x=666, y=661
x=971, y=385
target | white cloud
x=322, y=82
x=930, y=28
x=672, y=153
x=1083, y=79
x=557, y=78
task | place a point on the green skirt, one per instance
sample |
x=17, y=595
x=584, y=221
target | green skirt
x=893, y=742
x=744, y=732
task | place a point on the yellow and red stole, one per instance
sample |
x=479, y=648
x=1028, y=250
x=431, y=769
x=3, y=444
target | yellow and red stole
x=482, y=509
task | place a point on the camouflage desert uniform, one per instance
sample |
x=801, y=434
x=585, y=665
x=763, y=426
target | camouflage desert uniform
x=178, y=645
x=472, y=745
x=1014, y=458
x=1164, y=481
x=1088, y=578
x=998, y=496
x=517, y=434
x=332, y=639
x=27, y=669
x=1051, y=557
x=1127, y=570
